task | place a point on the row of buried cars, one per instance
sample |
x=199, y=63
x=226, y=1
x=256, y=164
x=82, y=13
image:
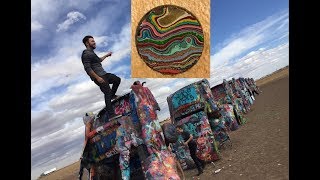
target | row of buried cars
x=206, y=113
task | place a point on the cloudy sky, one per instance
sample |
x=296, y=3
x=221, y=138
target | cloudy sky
x=248, y=39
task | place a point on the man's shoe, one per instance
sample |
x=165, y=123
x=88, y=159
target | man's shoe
x=200, y=172
x=203, y=165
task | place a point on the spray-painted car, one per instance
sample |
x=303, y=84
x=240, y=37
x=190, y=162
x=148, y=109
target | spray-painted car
x=236, y=102
x=226, y=108
x=131, y=144
x=253, y=86
x=189, y=108
x=240, y=89
x=239, y=96
x=246, y=90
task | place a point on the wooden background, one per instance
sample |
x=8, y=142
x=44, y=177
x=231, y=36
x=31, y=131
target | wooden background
x=200, y=9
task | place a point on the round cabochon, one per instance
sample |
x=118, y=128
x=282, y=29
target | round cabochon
x=169, y=39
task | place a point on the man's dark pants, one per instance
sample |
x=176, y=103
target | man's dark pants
x=108, y=92
x=199, y=163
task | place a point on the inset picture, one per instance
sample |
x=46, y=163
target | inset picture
x=170, y=41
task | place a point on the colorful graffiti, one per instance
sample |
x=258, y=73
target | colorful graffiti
x=240, y=88
x=237, y=97
x=183, y=154
x=185, y=96
x=122, y=107
x=219, y=93
x=195, y=120
x=237, y=103
x=219, y=130
x=126, y=137
x=198, y=125
x=160, y=164
x=103, y=140
x=169, y=39
x=229, y=117
x=207, y=148
x=170, y=133
x=190, y=99
x=146, y=111
x=208, y=99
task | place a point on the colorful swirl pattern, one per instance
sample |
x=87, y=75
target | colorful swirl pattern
x=169, y=39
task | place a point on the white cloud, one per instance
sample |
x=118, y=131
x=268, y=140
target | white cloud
x=49, y=11
x=101, y=17
x=255, y=65
x=72, y=17
x=70, y=130
x=102, y=40
x=36, y=26
x=53, y=73
x=250, y=37
x=235, y=48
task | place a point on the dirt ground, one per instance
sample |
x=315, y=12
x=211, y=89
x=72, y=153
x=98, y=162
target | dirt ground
x=283, y=72
x=260, y=148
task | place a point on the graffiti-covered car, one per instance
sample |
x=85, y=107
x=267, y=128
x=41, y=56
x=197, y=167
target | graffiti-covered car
x=239, y=98
x=130, y=145
x=226, y=108
x=189, y=108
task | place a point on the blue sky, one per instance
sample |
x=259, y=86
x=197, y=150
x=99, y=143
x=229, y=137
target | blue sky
x=248, y=38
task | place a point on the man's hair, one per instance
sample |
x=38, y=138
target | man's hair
x=179, y=127
x=86, y=38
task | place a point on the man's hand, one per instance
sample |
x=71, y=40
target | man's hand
x=185, y=143
x=100, y=80
x=109, y=54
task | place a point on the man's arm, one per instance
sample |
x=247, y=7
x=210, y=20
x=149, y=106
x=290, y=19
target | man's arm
x=169, y=148
x=95, y=76
x=190, y=138
x=107, y=55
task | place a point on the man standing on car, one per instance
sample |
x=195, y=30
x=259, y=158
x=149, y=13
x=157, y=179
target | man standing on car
x=92, y=65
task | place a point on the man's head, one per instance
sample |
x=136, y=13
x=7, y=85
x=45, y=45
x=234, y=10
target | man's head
x=88, y=41
x=179, y=129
